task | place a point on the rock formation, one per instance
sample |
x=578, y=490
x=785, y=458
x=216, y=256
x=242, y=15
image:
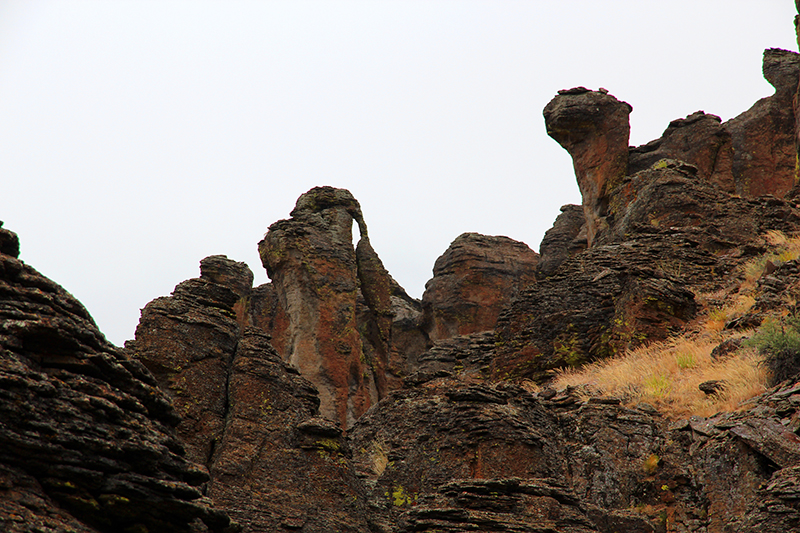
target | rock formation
x=329, y=400
x=566, y=238
x=312, y=262
x=472, y=281
x=593, y=127
x=87, y=438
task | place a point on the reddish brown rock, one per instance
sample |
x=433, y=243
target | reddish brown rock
x=700, y=140
x=593, y=127
x=187, y=341
x=472, y=281
x=267, y=313
x=312, y=263
x=279, y=467
x=671, y=232
x=763, y=138
x=87, y=439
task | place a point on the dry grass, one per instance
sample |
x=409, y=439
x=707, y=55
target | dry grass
x=782, y=248
x=667, y=375
x=717, y=318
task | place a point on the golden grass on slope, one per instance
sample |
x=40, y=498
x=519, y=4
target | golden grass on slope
x=667, y=375
x=782, y=248
x=717, y=318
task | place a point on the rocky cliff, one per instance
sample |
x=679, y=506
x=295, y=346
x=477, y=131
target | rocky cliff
x=330, y=400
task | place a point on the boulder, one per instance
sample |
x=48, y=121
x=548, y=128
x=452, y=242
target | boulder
x=472, y=281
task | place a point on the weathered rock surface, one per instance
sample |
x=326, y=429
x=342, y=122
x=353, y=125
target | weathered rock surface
x=312, y=263
x=417, y=415
x=593, y=127
x=87, y=439
x=763, y=138
x=277, y=466
x=246, y=414
x=187, y=341
x=472, y=281
x=452, y=456
x=668, y=232
x=701, y=140
x=566, y=238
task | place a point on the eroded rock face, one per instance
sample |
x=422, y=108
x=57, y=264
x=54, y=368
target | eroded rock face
x=566, y=238
x=246, y=414
x=593, y=127
x=668, y=232
x=187, y=341
x=87, y=439
x=701, y=140
x=278, y=466
x=763, y=137
x=312, y=263
x=458, y=456
x=472, y=281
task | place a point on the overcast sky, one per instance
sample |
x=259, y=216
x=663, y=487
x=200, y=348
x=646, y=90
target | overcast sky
x=137, y=137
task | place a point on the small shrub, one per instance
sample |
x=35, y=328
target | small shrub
x=779, y=342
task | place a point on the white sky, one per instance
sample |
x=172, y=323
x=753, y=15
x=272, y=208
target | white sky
x=137, y=137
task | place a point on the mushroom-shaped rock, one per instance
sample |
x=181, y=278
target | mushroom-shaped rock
x=593, y=127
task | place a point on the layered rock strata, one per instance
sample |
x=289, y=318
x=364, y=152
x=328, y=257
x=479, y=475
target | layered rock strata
x=87, y=438
x=456, y=456
x=472, y=281
x=249, y=417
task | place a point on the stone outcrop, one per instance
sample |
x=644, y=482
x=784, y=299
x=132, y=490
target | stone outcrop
x=593, y=127
x=87, y=438
x=701, y=140
x=472, y=281
x=750, y=155
x=187, y=341
x=566, y=238
x=313, y=266
x=763, y=137
x=278, y=466
x=668, y=232
x=454, y=456
x=245, y=414
x=329, y=400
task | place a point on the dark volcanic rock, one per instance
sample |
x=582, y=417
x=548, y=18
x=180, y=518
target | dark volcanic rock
x=472, y=281
x=700, y=140
x=593, y=127
x=315, y=271
x=668, y=232
x=763, y=137
x=453, y=457
x=276, y=466
x=87, y=440
x=187, y=341
x=566, y=238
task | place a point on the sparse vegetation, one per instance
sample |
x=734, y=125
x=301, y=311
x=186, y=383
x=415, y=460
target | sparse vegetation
x=778, y=341
x=667, y=375
x=783, y=248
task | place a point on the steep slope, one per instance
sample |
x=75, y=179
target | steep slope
x=87, y=439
